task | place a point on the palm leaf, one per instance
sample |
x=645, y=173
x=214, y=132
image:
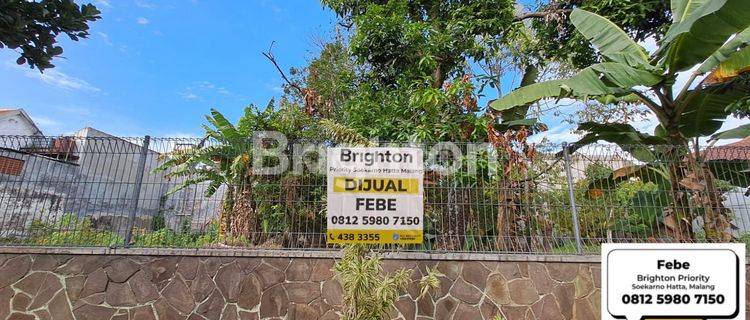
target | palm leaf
x=187, y=183
x=625, y=76
x=528, y=94
x=740, y=132
x=607, y=79
x=727, y=51
x=736, y=64
x=608, y=38
x=706, y=108
x=703, y=31
x=223, y=126
x=683, y=8
x=638, y=144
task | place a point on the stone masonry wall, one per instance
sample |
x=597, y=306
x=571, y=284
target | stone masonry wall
x=120, y=287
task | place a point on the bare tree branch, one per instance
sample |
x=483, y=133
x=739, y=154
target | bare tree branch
x=540, y=14
x=270, y=57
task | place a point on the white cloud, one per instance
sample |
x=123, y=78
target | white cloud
x=180, y=134
x=647, y=124
x=66, y=119
x=105, y=38
x=682, y=79
x=271, y=5
x=142, y=21
x=104, y=3
x=558, y=134
x=144, y=4
x=44, y=121
x=204, y=88
x=650, y=45
x=189, y=95
x=730, y=123
x=61, y=80
x=206, y=85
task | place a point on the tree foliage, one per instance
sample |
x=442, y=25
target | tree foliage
x=33, y=26
x=425, y=37
x=559, y=40
x=684, y=113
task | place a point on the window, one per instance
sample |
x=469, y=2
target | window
x=11, y=166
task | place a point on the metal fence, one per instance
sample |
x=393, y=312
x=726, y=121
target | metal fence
x=543, y=198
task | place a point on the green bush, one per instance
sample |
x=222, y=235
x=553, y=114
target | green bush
x=186, y=238
x=71, y=231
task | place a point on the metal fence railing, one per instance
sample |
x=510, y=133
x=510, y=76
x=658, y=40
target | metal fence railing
x=544, y=198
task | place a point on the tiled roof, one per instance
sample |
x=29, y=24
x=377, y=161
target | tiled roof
x=739, y=150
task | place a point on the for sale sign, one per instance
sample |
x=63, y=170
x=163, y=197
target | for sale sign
x=673, y=281
x=375, y=195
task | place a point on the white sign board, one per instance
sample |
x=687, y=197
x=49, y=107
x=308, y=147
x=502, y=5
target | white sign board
x=678, y=281
x=375, y=195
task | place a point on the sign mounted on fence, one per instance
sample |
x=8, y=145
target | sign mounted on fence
x=375, y=195
x=675, y=281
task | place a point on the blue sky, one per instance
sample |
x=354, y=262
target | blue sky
x=156, y=67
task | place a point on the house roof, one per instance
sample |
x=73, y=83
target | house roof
x=4, y=112
x=739, y=150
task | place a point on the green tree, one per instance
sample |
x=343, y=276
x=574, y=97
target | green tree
x=406, y=73
x=559, y=41
x=224, y=158
x=33, y=26
x=417, y=38
x=711, y=37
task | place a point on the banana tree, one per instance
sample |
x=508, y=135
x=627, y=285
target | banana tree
x=706, y=38
x=508, y=133
x=221, y=159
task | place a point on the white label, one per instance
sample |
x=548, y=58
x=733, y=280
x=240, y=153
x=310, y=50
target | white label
x=375, y=195
x=696, y=281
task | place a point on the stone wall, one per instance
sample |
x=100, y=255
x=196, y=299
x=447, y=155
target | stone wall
x=127, y=285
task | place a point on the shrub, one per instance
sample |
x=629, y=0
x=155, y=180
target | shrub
x=369, y=295
x=72, y=231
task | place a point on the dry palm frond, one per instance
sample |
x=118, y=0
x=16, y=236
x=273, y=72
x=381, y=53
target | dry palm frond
x=342, y=134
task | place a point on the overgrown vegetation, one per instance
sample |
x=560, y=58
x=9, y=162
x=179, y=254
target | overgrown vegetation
x=419, y=71
x=71, y=230
x=709, y=38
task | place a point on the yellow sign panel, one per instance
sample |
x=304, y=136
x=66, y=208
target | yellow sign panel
x=341, y=236
x=376, y=185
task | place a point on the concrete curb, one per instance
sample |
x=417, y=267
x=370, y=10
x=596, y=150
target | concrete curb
x=263, y=253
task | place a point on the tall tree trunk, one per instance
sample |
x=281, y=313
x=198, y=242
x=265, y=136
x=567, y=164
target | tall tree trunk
x=457, y=218
x=245, y=222
x=717, y=221
x=678, y=219
x=716, y=217
x=227, y=207
x=508, y=213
